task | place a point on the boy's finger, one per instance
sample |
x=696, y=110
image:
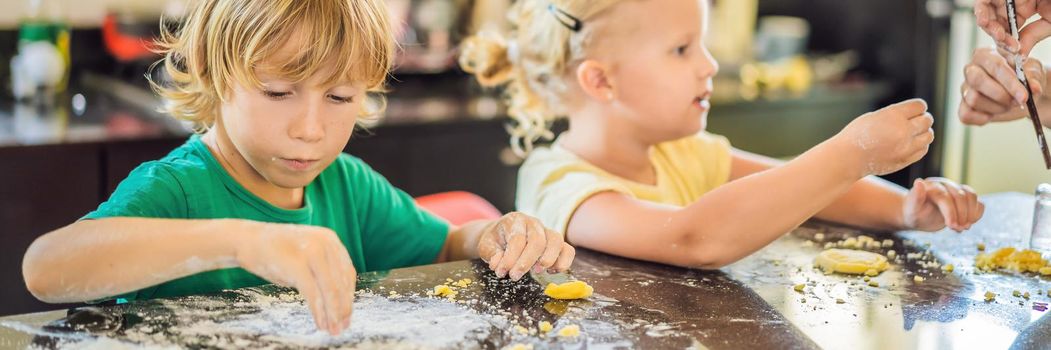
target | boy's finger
x=329, y=286
x=345, y=292
x=494, y=261
x=565, y=258
x=488, y=247
x=345, y=279
x=351, y=281
x=308, y=289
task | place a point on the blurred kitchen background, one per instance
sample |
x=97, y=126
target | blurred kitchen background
x=76, y=114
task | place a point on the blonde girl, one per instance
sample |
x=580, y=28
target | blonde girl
x=636, y=176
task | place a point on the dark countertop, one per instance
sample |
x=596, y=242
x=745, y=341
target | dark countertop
x=750, y=304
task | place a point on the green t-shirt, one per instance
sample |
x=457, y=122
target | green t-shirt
x=381, y=226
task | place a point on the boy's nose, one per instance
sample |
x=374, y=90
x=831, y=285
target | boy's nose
x=308, y=126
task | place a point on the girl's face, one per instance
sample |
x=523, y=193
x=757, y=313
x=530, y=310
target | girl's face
x=289, y=132
x=661, y=74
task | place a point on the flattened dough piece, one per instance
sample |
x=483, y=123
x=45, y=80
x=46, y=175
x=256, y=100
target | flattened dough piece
x=851, y=261
x=569, y=290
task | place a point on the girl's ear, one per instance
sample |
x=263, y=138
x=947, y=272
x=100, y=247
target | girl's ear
x=593, y=78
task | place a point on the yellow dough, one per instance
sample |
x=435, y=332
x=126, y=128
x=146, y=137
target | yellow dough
x=444, y=291
x=569, y=290
x=849, y=261
x=1011, y=259
x=545, y=327
x=569, y=331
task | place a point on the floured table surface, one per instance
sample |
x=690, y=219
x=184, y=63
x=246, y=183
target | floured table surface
x=774, y=299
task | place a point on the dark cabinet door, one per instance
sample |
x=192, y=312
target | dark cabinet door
x=44, y=188
x=470, y=155
x=474, y=158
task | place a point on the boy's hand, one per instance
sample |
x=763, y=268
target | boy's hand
x=517, y=242
x=935, y=203
x=991, y=90
x=310, y=259
x=891, y=138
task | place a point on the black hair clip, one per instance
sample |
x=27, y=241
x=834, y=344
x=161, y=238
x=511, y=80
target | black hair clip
x=565, y=18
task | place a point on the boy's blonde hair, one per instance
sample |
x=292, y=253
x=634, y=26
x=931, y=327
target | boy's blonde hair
x=222, y=42
x=532, y=61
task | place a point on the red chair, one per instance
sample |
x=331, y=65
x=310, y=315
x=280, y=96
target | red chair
x=458, y=207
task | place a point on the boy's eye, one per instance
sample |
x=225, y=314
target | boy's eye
x=276, y=95
x=341, y=99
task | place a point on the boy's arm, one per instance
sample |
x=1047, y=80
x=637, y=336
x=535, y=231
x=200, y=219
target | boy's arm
x=462, y=241
x=95, y=259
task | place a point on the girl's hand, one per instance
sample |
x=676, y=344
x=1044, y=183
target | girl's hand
x=934, y=203
x=889, y=139
x=310, y=259
x=517, y=242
